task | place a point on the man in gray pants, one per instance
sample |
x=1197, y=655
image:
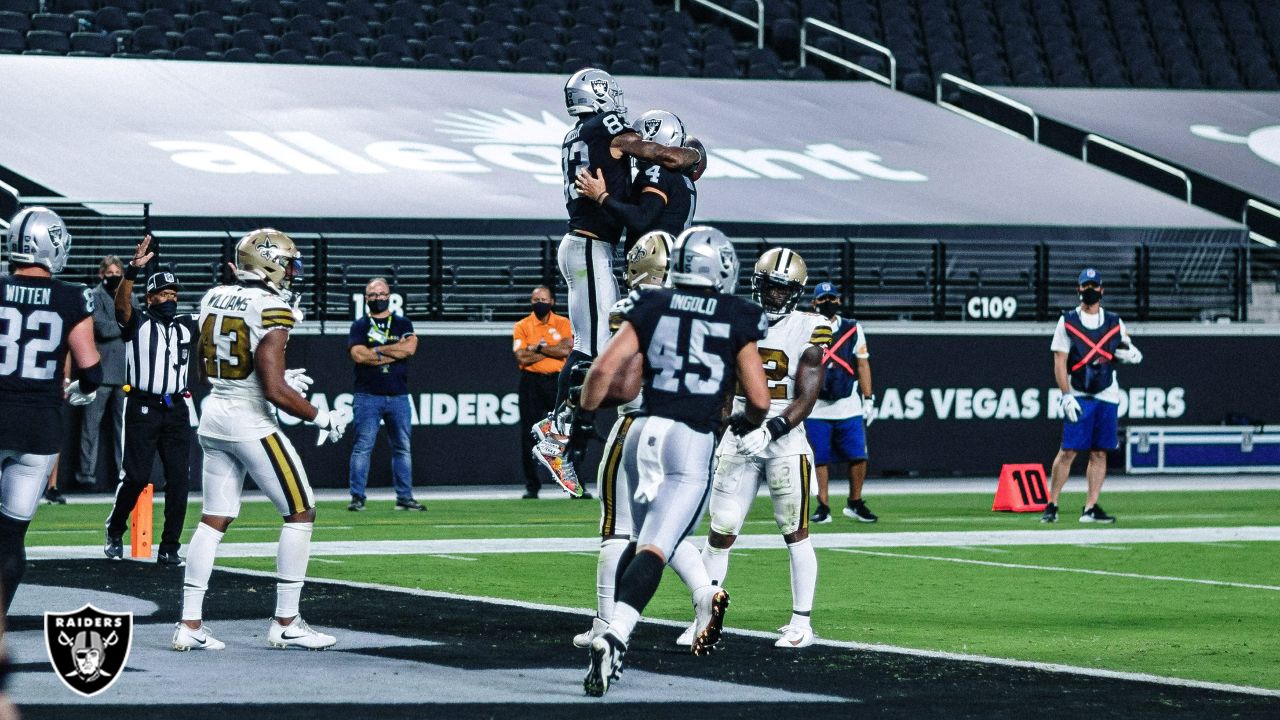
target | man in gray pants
x=110, y=398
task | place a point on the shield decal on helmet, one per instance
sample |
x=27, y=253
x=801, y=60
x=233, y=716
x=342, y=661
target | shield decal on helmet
x=600, y=87
x=88, y=648
x=651, y=126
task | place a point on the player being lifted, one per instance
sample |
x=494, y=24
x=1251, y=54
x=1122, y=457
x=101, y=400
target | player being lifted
x=687, y=345
x=243, y=332
x=661, y=199
x=646, y=270
x=601, y=140
x=42, y=318
x=777, y=453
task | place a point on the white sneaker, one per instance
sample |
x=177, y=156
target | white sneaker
x=709, y=620
x=795, y=637
x=297, y=634
x=686, y=637
x=583, y=639
x=184, y=638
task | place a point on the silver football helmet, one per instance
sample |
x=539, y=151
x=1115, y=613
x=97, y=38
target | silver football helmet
x=661, y=127
x=592, y=90
x=37, y=236
x=703, y=257
x=647, y=261
x=778, y=281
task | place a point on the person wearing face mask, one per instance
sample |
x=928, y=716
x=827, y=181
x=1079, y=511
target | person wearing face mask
x=541, y=341
x=110, y=399
x=381, y=344
x=157, y=417
x=845, y=408
x=1087, y=344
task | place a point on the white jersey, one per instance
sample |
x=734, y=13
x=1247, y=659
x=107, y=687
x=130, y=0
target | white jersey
x=233, y=320
x=780, y=350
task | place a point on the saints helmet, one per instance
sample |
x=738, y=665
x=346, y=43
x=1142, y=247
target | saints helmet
x=591, y=90
x=647, y=261
x=703, y=257
x=778, y=281
x=269, y=256
x=661, y=127
x=37, y=236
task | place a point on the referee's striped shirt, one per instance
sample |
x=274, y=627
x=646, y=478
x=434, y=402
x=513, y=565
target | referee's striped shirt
x=158, y=353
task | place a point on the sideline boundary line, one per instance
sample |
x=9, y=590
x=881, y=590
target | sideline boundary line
x=1055, y=568
x=868, y=647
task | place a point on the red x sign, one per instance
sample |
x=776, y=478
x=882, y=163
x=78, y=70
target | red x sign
x=1094, y=348
x=830, y=353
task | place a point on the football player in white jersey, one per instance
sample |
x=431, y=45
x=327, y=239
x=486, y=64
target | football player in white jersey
x=646, y=269
x=243, y=332
x=778, y=452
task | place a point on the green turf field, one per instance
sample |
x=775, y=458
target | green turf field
x=907, y=596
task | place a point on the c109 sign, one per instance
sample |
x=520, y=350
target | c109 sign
x=982, y=307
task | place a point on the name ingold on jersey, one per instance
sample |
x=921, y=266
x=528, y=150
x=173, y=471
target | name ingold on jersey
x=694, y=303
x=27, y=295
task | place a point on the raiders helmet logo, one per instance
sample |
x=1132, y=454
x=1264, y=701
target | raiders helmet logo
x=88, y=648
x=600, y=87
x=651, y=126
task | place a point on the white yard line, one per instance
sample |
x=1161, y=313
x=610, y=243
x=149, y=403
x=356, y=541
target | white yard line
x=868, y=647
x=455, y=557
x=1055, y=568
x=481, y=546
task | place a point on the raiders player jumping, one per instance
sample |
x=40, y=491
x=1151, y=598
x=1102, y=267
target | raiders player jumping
x=778, y=453
x=687, y=345
x=41, y=320
x=601, y=140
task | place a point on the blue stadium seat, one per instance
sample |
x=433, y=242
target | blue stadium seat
x=446, y=27
x=210, y=21
x=297, y=41
x=251, y=41
x=530, y=65
x=291, y=57
x=306, y=24
x=539, y=31
x=14, y=21
x=434, y=61
x=89, y=44
x=239, y=55
x=351, y=24
x=162, y=19
x=403, y=27
x=455, y=11
x=64, y=24
x=347, y=44
x=26, y=7
x=12, y=41
x=148, y=38
x=484, y=63
x=201, y=39
x=47, y=42
x=334, y=57
x=410, y=11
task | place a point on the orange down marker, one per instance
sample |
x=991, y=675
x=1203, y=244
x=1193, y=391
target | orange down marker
x=1021, y=489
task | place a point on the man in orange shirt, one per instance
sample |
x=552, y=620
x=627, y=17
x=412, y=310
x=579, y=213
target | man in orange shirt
x=541, y=343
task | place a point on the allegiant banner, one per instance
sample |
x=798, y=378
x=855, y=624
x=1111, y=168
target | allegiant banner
x=949, y=403
x=280, y=141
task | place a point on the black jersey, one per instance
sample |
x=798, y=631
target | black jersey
x=690, y=342
x=36, y=315
x=586, y=147
x=676, y=191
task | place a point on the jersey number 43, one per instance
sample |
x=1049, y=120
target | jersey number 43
x=225, y=352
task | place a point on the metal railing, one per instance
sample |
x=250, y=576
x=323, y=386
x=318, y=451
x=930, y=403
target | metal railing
x=806, y=49
x=1262, y=207
x=757, y=24
x=977, y=89
x=1134, y=155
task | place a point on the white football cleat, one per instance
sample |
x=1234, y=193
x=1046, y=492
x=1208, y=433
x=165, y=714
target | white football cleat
x=795, y=637
x=583, y=639
x=686, y=637
x=607, y=652
x=184, y=638
x=297, y=634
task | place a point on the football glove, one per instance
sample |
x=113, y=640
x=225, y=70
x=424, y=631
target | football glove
x=581, y=429
x=332, y=424
x=869, y=411
x=1129, y=354
x=78, y=398
x=299, y=380
x=754, y=442
x=739, y=424
x=1070, y=407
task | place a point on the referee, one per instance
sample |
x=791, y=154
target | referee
x=158, y=345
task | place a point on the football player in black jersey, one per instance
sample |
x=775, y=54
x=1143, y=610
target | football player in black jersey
x=41, y=319
x=661, y=199
x=601, y=140
x=688, y=346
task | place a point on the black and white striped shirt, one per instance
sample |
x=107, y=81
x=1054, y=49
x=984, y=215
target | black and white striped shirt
x=158, y=353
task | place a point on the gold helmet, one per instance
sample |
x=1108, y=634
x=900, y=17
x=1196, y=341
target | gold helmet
x=647, y=261
x=778, y=281
x=269, y=256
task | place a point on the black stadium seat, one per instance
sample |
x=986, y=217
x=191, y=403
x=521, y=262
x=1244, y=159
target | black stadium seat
x=64, y=24
x=14, y=21
x=307, y=24
x=26, y=7
x=287, y=55
x=88, y=44
x=148, y=38
x=12, y=41
x=47, y=42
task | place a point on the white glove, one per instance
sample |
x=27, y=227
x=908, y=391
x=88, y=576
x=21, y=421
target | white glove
x=754, y=442
x=1070, y=407
x=869, y=411
x=77, y=398
x=299, y=380
x=332, y=424
x=1130, y=355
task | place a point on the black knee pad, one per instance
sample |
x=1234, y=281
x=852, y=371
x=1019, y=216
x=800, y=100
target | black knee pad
x=638, y=584
x=13, y=557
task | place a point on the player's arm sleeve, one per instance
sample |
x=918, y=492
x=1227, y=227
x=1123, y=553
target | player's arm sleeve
x=637, y=218
x=1061, y=343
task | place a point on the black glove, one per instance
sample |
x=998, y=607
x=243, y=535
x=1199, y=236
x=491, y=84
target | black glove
x=582, y=428
x=739, y=424
x=577, y=376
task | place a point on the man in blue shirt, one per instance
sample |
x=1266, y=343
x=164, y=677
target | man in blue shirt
x=381, y=344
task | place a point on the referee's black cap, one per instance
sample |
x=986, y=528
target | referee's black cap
x=162, y=280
